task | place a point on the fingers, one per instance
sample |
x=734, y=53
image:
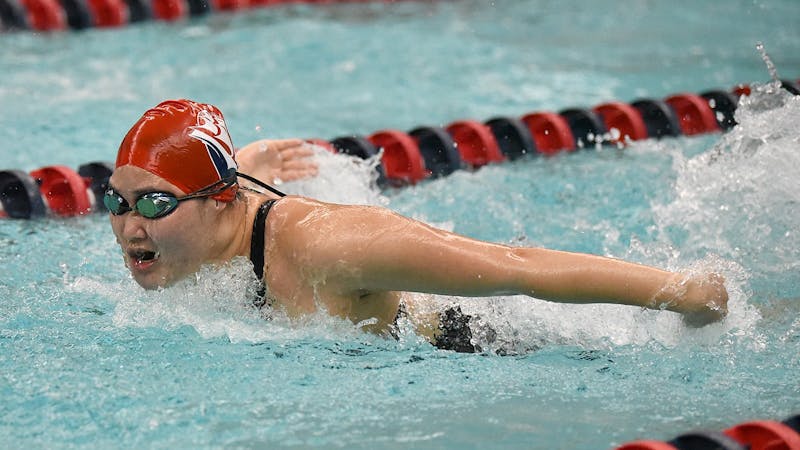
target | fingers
x=297, y=160
x=295, y=152
x=294, y=175
x=283, y=144
x=298, y=169
x=707, y=300
x=288, y=149
x=278, y=159
x=255, y=146
x=300, y=164
x=272, y=145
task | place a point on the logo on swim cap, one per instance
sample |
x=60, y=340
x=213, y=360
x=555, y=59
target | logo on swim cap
x=212, y=131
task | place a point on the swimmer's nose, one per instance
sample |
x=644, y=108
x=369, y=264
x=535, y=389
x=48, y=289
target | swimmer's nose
x=132, y=227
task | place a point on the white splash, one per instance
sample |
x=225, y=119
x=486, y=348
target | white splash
x=217, y=303
x=741, y=198
x=341, y=179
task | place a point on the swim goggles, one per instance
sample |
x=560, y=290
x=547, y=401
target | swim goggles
x=154, y=205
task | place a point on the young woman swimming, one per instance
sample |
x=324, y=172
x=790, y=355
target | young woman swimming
x=176, y=204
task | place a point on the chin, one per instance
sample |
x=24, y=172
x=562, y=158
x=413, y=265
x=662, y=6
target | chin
x=151, y=282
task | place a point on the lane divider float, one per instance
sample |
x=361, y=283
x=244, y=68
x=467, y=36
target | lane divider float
x=62, y=15
x=431, y=151
x=425, y=152
x=754, y=435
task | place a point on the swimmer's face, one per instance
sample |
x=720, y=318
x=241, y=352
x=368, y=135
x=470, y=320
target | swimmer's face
x=160, y=251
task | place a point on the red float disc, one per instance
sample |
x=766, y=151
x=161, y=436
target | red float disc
x=108, y=13
x=765, y=435
x=45, y=15
x=694, y=114
x=550, y=131
x=64, y=190
x=475, y=143
x=230, y=5
x=169, y=9
x=624, y=118
x=401, y=157
x=646, y=445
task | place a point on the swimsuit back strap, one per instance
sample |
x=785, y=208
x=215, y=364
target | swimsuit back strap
x=257, y=240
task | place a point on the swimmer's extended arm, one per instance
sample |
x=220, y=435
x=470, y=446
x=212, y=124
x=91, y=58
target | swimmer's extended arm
x=366, y=249
x=272, y=161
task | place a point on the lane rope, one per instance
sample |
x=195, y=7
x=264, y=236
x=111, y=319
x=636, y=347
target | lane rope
x=427, y=152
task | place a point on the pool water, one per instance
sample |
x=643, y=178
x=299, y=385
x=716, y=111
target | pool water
x=88, y=359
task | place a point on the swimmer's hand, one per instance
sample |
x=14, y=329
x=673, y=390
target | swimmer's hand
x=701, y=298
x=277, y=161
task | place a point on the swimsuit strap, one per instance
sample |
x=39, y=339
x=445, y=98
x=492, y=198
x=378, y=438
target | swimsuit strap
x=257, y=248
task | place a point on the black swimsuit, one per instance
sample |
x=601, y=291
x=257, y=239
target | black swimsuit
x=454, y=330
x=257, y=250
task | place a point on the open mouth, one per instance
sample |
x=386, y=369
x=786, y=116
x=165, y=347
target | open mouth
x=143, y=257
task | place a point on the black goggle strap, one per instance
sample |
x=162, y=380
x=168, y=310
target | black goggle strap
x=211, y=189
x=261, y=183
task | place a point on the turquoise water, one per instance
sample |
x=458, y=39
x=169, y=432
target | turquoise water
x=87, y=359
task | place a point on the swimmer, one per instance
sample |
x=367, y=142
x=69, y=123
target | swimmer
x=176, y=203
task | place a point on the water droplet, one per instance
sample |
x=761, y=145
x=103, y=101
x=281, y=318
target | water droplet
x=773, y=72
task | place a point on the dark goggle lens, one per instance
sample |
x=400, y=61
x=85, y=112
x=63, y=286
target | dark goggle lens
x=150, y=206
x=115, y=203
x=156, y=204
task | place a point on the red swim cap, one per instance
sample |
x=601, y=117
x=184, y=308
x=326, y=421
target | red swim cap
x=184, y=142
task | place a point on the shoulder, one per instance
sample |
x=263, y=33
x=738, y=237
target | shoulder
x=293, y=220
x=303, y=226
x=289, y=211
x=310, y=213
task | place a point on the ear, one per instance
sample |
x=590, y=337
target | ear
x=213, y=206
x=219, y=206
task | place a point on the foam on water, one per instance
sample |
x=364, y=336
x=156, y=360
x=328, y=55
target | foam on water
x=740, y=198
x=341, y=179
x=216, y=303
